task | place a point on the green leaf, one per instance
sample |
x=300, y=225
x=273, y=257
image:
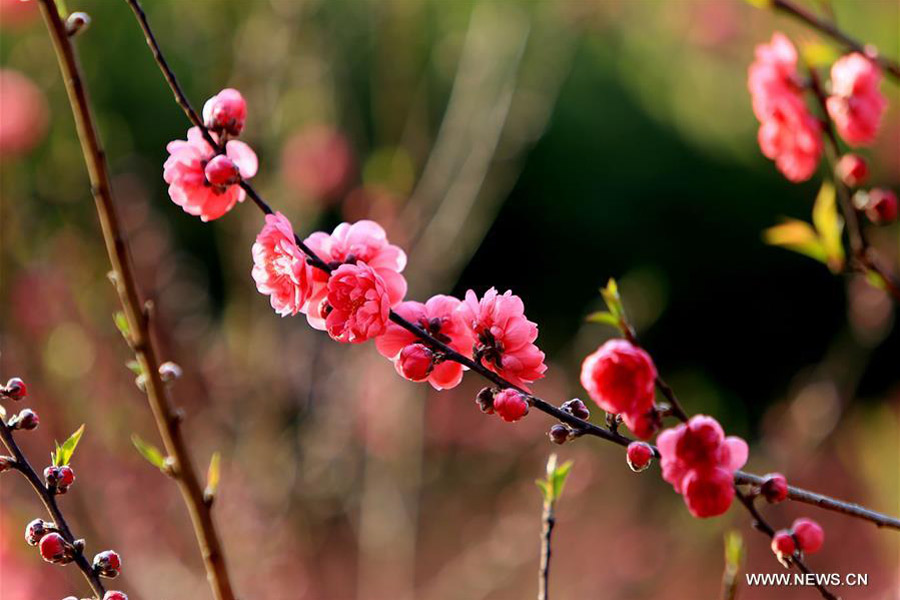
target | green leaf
x=613, y=301
x=150, y=452
x=63, y=454
x=734, y=549
x=559, y=477
x=606, y=318
x=818, y=54
x=552, y=486
x=121, y=322
x=135, y=367
x=212, y=476
x=830, y=226
x=760, y=3
x=797, y=236
x=876, y=280
x=545, y=489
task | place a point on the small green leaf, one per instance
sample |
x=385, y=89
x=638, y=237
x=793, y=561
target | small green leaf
x=63, y=454
x=606, y=318
x=121, y=322
x=613, y=301
x=818, y=54
x=135, y=367
x=734, y=549
x=545, y=489
x=213, y=476
x=830, y=225
x=559, y=478
x=876, y=280
x=552, y=486
x=760, y=3
x=150, y=452
x=797, y=236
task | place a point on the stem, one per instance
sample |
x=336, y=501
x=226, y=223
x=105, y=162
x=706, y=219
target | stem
x=864, y=258
x=580, y=426
x=830, y=29
x=761, y=524
x=49, y=500
x=168, y=421
x=549, y=520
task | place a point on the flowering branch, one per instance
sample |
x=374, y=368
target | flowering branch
x=21, y=464
x=137, y=313
x=831, y=29
x=579, y=426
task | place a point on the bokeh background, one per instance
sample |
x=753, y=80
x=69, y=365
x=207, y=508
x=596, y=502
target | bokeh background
x=535, y=146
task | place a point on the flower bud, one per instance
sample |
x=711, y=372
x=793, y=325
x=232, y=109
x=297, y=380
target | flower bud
x=59, y=478
x=221, y=171
x=510, y=405
x=27, y=420
x=55, y=549
x=881, y=207
x=36, y=530
x=559, y=434
x=15, y=389
x=225, y=112
x=169, y=371
x=774, y=488
x=107, y=563
x=852, y=170
x=809, y=535
x=783, y=544
x=415, y=362
x=112, y=595
x=485, y=400
x=639, y=456
x=576, y=408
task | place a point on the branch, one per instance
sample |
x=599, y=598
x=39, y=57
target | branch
x=168, y=420
x=548, y=519
x=760, y=524
x=830, y=29
x=49, y=500
x=580, y=426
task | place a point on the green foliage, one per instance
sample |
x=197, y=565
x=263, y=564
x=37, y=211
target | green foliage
x=821, y=241
x=615, y=316
x=135, y=367
x=63, y=454
x=150, y=452
x=734, y=556
x=552, y=487
x=213, y=476
x=121, y=322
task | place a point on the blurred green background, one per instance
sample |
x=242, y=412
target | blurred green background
x=537, y=146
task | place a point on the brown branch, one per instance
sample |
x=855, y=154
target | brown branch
x=760, y=524
x=579, y=426
x=548, y=520
x=48, y=499
x=137, y=314
x=830, y=29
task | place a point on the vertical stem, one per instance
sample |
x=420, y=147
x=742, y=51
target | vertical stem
x=168, y=420
x=549, y=520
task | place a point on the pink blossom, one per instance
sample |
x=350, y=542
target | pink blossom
x=510, y=405
x=621, y=378
x=856, y=104
x=504, y=338
x=699, y=461
x=809, y=534
x=357, y=304
x=189, y=187
x=415, y=362
x=439, y=316
x=363, y=241
x=24, y=114
x=788, y=133
x=225, y=112
x=279, y=267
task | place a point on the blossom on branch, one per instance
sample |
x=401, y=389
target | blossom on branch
x=855, y=104
x=441, y=318
x=189, y=184
x=504, y=338
x=279, y=267
x=357, y=306
x=225, y=112
x=699, y=461
x=788, y=133
x=364, y=241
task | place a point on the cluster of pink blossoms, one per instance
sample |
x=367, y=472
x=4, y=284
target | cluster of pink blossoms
x=789, y=134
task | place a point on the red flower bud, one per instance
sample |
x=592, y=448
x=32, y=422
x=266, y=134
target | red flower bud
x=27, y=420
x=111, y=595
x=559, y=434
x=415, y=362
x=881, y=207
x=36, y=530
x=107, y=563
x=225, y=112
x=15, y=388
x=783, y=544
x=510, y=405
x=809, y=534
x=54, y=548
x=221, y=171
x=774, y=488
x=852, y=170
x=485, y=400
x=576, y=408
x=639, y=455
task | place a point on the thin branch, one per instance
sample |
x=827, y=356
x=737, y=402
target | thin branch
x=830, y=29
x=49, y=500
x=760, y=523
x=548, y=520
x=168, y=420
x=580, y=426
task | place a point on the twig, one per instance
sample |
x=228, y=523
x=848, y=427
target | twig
x=168, y=420
x=49, y=500
x=548, y=519
x=830, y=29
x=580, y=426
x=761, y=524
